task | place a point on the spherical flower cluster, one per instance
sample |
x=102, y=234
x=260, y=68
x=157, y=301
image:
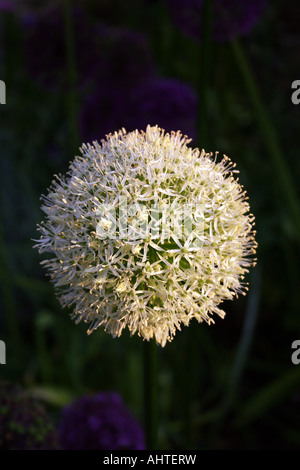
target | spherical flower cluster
x=99, y=422
x=231, y=18
x=24, y=422
x=146, y=233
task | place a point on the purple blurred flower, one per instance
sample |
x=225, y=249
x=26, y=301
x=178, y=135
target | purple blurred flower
x=124, y=55
x=99, y=422
x=45, y=49
x=28, y=7
x=167, y=102
x=102, y=54
x=101, y=112
x=124, y=63
x=7, y=5
x=230, y=17
x=24, y=422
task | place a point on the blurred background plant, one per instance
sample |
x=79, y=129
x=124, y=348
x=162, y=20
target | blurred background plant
x=220, y=73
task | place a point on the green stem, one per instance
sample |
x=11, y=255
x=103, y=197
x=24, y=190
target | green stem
x=72, y=97
x=269, y=133
x=245, y=340
x=43, y=356
x=150, y=393
x=205, y=72
x=9, y=304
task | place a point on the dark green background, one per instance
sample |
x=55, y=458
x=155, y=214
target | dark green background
x=228, y=386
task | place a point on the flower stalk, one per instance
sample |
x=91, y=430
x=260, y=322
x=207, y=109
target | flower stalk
x=72, y=99
x=150, y=363
x=204, y=73
x=268, y=133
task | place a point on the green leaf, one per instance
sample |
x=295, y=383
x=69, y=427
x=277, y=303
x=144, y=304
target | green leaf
x=267, y=398
x=52, y=395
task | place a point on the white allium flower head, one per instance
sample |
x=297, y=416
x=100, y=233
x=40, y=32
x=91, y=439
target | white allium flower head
x=146, y=233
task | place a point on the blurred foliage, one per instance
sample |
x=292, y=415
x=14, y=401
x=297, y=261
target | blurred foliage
x=228, y=386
